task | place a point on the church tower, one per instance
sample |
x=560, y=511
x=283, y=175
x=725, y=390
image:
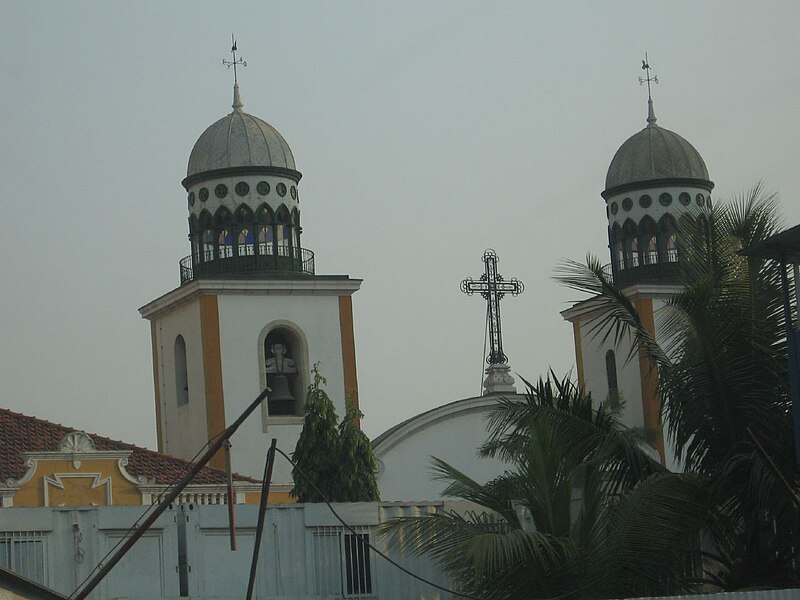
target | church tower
x=250, y=310
x=655, y=179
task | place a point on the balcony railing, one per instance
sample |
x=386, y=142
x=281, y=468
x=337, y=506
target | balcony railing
x=665, y=272
x=286, y=259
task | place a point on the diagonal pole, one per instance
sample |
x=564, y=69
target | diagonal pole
x=262, y=511
x=164, y=504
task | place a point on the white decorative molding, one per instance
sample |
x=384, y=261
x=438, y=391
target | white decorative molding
x=31, y=464
x=134, y=479
x=7, y=493
x=77, y=441
x=498, y=380
x=56, y=481
x=400, y=432
x=202, y=494
x=322, y=285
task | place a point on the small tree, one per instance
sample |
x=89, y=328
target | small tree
x=337, y=459
x=318, y=446
x=357, y=462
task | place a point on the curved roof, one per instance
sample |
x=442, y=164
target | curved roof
x=239, y=140
x=655, y=153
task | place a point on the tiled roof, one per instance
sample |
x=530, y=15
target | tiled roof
x=21, y=433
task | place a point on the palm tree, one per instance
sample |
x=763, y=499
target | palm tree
x=722, y=376
x=582, y=512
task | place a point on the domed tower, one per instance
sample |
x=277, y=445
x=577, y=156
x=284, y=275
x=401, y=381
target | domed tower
x=244, y=207
x=654, y=179
x=250, y=312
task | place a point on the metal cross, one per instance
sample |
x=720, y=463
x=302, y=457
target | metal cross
x=493, y=287
x=235, y=61
x=648, y=79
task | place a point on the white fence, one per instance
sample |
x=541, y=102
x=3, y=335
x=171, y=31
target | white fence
x=305, y=552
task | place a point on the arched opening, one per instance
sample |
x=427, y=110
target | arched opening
x=181, y=373
x=225, y=244
x=283, y=230
x=206, y=235
x=647, y=232
x=266, y=232
x=244, y=231
x=244, y=245
x=285, y=369
x=296, y=229
x=611, y=373
x=633, y=252
x=617, y=250
x=650, y=250
x=672, y=249
x=225, y=237
x=208, y=245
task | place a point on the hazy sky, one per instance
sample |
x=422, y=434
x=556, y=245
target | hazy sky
x=426, y=132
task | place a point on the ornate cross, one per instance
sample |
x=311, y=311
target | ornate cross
x=493, y=287
x=235, y=61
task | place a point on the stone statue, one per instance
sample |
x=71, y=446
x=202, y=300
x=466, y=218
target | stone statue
x=278, y=363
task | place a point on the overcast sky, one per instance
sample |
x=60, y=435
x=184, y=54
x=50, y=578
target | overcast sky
x=426, y=132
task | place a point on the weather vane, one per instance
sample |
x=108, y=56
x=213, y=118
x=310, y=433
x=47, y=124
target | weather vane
x=235, y=61
x=648, y=79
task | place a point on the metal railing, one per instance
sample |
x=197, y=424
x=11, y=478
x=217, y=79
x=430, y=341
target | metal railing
x=663, y=272
x=271, y=259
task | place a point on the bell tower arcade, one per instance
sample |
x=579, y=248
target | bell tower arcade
x=250, y=311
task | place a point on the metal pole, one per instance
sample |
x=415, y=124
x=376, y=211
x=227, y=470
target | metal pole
x=794, y=375
x=164, y=504
x=231, y=496
x=262, y=511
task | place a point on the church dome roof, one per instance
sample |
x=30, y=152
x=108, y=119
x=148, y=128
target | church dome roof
x=655, y=154
x=239, y=139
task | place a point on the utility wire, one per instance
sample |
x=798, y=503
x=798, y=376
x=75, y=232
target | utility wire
x=401, y=567
x=135, y=524
x=371, y=547
x=483, y=358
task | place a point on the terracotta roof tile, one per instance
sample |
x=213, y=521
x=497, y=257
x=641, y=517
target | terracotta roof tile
x=21, y=433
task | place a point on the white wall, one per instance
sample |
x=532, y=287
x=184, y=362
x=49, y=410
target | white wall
x=184, y=428
x=288, y=564
x=452, y=432
x=594, y=372
x=242, y=319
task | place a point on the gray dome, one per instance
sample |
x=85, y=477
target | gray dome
x=655, y=153
x=239, y=140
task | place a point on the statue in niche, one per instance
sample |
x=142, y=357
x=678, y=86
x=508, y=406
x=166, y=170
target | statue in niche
x=279, y=362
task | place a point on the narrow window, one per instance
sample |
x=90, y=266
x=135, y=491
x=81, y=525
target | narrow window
x=225, y=244
x=633, y=257
x=620, y=256
x=611, y=372
x=651, y=251
x=208, y=245
x=23, y=552
x=265, y=241
x=342, y=560
x=672, y=249
x=181, y=373
x=245, y=243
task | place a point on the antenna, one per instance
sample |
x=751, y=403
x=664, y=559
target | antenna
x=235, y=61
x=648, y=79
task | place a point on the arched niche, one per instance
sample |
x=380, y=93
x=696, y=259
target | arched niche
x=294, y=340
